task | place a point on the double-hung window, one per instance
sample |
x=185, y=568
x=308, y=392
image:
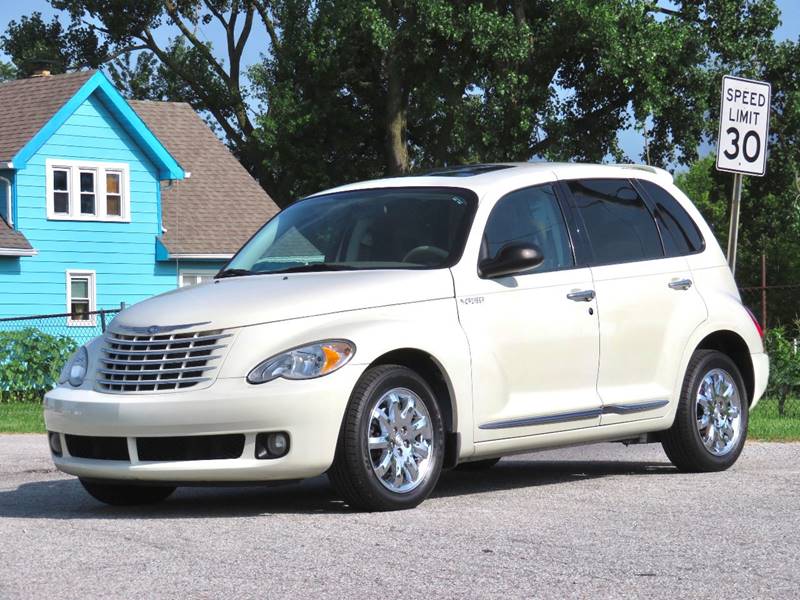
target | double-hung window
x=88, y=191
x=195, y=277
x=81, y=297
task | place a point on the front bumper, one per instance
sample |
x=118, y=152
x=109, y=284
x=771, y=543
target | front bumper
x=309, y=411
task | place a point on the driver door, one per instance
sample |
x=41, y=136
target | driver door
x=534, y=337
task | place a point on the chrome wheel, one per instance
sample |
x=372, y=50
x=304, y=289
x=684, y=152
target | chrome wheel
x=400, y=440
x=719, y=412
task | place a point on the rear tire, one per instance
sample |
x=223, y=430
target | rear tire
x=121, y=494
x=391, y=445
x=710, y=425
x=478, y=465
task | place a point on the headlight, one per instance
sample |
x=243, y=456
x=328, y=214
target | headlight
x=306, y=362
x=75, y=369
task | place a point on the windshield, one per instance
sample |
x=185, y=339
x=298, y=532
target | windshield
x=390, y=228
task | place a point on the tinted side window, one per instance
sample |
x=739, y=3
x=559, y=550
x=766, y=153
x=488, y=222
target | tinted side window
x=618, y=224
x=530, y=215
x=680, y=234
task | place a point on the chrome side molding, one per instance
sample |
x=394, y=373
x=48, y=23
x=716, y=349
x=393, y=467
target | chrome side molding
x=626, y=409
x=581, y=415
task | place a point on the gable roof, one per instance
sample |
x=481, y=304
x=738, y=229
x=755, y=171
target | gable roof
x=28, y=104
x=12, y=242
x=219, y=206
x=34, y=108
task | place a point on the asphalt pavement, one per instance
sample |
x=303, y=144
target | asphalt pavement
x=602, y=521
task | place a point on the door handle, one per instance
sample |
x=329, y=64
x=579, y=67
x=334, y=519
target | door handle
x=581, y=296
x=680, y=284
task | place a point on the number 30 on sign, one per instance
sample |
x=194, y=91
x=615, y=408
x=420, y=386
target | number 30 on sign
x=743, y=126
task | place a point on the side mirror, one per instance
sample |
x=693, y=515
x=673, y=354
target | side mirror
x=513, y=259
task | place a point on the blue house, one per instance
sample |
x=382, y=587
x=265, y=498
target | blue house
x=105, y=201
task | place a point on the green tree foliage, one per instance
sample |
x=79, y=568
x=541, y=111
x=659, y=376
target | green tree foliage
x=352, y=88
x=7, y=71
x=365, y=88
x=770, y=211
x=124, y=36
x=30, y=363
x=34, y=44
x=784, y=375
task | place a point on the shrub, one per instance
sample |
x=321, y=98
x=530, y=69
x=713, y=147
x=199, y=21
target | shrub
x=30, y=362
x=784, y=375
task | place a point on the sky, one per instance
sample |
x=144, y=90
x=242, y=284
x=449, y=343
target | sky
x=631, y=141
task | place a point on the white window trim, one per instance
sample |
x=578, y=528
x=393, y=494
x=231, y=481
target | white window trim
x=9, y=201
x=74, y=167
x=194, y=272
x=92, y=321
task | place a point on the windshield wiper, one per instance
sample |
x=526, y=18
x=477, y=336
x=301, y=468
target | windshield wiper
x=314, y=267
x=234, y=273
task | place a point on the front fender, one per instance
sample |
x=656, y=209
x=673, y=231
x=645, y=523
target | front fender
x=431, y=327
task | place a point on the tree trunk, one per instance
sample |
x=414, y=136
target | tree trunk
x=396, y=119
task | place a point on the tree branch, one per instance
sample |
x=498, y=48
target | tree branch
x=248, y=25
x=164, y=57
x=263, y=12
x=113, y=55
x=220, y=17
x=617, y=104
x=172, y=11
x=655, y=8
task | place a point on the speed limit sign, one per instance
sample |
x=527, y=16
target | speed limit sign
x=743, y=126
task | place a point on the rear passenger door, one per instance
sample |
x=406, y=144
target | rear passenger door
x=647, y=303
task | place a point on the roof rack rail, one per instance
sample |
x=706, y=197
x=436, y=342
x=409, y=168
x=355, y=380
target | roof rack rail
x=662, y=173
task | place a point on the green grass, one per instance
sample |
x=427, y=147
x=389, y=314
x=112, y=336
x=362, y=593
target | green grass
x=21, y=417
x=765, y=421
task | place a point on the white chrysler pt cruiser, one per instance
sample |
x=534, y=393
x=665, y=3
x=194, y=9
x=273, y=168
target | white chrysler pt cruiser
x=383, y=331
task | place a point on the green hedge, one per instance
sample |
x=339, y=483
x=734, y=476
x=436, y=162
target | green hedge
x=783, y=390
x=30, y=362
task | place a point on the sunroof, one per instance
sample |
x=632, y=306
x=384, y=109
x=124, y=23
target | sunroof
x=463, y=170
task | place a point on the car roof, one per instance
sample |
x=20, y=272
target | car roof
x=480, y=177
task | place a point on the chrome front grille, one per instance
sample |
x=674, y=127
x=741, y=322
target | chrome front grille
x=161, y=362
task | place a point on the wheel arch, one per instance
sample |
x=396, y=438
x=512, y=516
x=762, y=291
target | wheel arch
x=734, y=346
x=433, y=372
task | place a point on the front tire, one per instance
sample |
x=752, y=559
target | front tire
x=391, y=446
x=126, y=495
x=711, y=421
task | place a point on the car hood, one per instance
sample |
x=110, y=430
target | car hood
x=239, y=301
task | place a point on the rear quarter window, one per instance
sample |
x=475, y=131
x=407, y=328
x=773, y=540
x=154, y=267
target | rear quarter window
x=618, y=224
x=678, y=230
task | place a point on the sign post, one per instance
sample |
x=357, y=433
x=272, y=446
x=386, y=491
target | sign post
x=742, y=147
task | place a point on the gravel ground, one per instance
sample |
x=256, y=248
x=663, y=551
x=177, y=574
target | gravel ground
x=595, y=521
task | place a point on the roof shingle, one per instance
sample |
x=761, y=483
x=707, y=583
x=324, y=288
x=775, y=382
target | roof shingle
x=220, y=205
x=28, y=104
x=12, y=239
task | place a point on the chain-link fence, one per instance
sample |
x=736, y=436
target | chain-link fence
x=773, y=305
x=89, y=326
x=34, y=349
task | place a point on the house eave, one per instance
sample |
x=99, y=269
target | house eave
x=168, y=167
x=198, y=256
x=18, y=252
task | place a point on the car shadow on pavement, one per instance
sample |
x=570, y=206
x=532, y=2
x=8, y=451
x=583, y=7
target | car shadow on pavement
x=514, y=474
x=66, y=499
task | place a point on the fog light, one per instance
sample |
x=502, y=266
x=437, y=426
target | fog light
x=272, y=445
x=55, y=442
